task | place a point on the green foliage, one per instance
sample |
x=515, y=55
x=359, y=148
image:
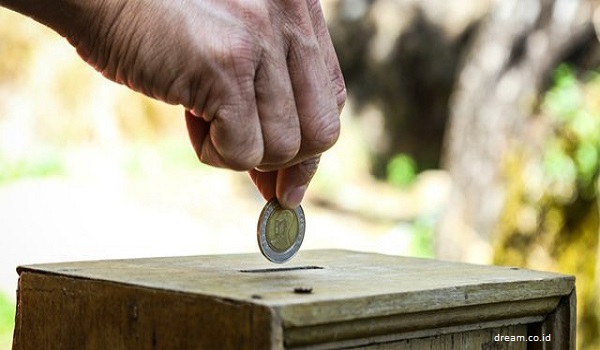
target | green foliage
x=422, y=240
x=35, y=165
x=7, y=320
x=401, y=170
x=564, y=99
x=572, y=153
x=551, y=216
x=558, y=166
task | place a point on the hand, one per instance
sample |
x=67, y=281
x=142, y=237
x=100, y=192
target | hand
x=298, y=94
x=259, y=79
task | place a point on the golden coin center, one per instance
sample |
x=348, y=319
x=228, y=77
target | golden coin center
x=282, y=230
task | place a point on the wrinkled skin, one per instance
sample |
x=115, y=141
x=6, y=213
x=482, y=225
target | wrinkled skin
x=259, y=79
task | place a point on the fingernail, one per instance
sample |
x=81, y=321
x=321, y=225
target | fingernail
x=293, y=197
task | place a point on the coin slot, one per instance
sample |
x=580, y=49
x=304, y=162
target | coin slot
x=303, y=290
x=283, y=269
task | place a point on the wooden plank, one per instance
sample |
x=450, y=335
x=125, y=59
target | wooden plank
x=559, y=327
x=58, y=312
x=472, y=340
x=401, y=326
x=561, y=324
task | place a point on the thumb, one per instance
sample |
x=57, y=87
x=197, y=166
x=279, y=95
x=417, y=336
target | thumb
x=292, y=182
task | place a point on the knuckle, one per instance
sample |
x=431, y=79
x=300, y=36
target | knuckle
x=240, y=44
x=239, y=159
x=236, y=146
x=206, y=159
x=338, y=86
x=340, y=98
x=239, y=52
x=326, y=131
x=283, y=148
x=209, y=156
x=242, y=155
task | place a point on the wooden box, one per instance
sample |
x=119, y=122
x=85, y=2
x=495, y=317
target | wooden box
x=322, y=299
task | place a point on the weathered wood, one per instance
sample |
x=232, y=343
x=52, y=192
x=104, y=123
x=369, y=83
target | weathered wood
x=243, y=302
x=472, y=340
x=561, y=324
x=59, y=312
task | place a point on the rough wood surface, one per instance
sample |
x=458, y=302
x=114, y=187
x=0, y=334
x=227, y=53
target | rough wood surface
x=58, y=312
x=561, y=324
x=352, y=297
x=472, y=340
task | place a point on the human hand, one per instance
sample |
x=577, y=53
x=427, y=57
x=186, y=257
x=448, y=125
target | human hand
x=299, y=93
x=259, y=80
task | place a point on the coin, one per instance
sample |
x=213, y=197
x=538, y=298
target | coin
x=280, y=231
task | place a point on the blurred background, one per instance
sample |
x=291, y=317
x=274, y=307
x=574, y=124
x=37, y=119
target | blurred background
x=471, y=133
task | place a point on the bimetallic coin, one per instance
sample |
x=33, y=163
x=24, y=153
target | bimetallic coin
x=280, y=231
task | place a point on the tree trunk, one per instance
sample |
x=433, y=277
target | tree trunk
x=399, y=59
x=508, y=67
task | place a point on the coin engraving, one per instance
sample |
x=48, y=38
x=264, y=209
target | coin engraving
x=280, y=231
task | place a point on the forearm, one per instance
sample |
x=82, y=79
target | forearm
x=63, y=16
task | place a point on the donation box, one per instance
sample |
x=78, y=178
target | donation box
x=321, y=299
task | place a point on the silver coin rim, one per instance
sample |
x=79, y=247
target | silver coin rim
x=265, y=249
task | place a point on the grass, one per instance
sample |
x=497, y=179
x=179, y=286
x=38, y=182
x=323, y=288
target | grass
x=7, y=321
x=35, y=165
